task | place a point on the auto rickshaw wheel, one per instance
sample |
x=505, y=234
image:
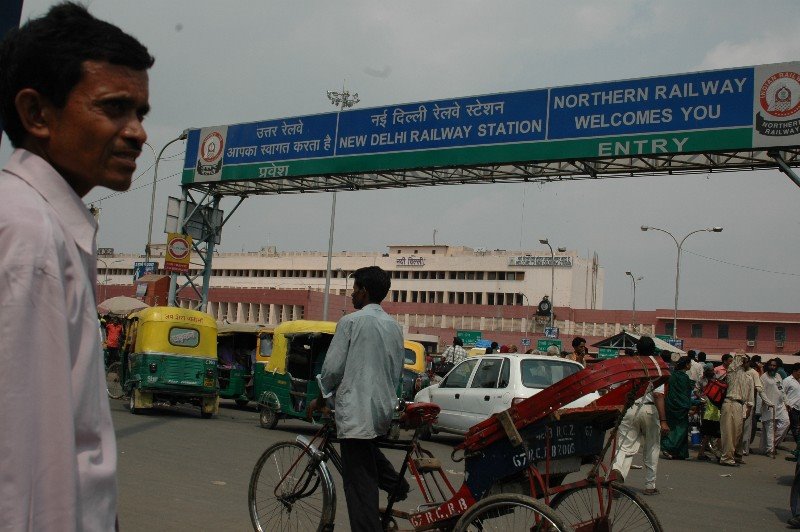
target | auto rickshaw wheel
x=114, y=381
x=241, y=403
x=268, y=417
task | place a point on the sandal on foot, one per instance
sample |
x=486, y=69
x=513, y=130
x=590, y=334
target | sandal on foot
x=651, y=491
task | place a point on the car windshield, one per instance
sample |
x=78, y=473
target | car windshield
x=411, y=357
x=538, y=373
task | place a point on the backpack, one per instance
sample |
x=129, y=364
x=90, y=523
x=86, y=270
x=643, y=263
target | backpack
x=715, y=391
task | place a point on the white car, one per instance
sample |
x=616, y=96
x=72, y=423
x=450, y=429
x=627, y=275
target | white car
x=481, y=386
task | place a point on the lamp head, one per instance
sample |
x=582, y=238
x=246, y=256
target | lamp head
x=543, y=241
x=562, y=250
x=645, y=228
x=716, y=229
x=629, y=273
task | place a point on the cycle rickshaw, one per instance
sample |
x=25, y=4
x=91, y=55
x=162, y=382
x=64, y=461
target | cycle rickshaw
x=514, y=465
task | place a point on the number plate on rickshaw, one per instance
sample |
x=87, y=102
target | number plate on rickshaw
x=208, y=382
x=555, y=440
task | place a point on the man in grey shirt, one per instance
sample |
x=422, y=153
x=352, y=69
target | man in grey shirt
x=362, y=370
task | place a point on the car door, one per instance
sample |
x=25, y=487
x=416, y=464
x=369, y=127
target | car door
x=449, y=394
x=488, y=391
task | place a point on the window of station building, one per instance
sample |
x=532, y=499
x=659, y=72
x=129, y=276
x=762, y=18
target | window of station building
x=470, y=276
x=491, y=276
x=780, y=334
x=490, y=299
x=416, y=251
x=451, y=298
x=752, y=332
x=722, y=330
x=462, y=275
x=668, y=329
x=697, y=330
x=433, y=252
x=398, y=251
x=479, y=276
x=414, y=296
x=479, y=298
x=501, y=276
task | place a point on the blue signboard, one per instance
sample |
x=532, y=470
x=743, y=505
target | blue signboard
x=672, y=103
x=721, y=110
x=143, y=268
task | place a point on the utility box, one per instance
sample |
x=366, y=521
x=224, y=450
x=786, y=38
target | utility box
x=153, y=289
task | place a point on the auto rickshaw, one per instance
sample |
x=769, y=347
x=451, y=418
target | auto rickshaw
x=415, y=374
x=170, y=355
x=285, y=381
x=239, y=347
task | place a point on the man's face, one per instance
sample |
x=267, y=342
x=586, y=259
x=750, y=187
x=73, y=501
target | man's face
x=772, y=368
x=95, y=138
x=727, y=362
x=581, y=348
x=360, y=296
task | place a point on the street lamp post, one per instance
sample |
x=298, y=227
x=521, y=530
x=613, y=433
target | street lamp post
x=633, y=280
x=546, y=242
x=679, y=245
x=182, y=136
x=346, y=278
x=528, y=304
x=343, y=100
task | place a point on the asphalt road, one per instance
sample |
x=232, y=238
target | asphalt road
x=178, y=472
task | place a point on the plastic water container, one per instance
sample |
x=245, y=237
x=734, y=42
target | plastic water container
x=695, y=434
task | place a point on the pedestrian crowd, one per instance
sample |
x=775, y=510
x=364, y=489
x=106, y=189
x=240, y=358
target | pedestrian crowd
x=727, y=401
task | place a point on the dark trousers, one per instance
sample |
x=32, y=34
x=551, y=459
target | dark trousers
x=364, y=471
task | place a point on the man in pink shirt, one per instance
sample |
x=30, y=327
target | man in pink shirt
x=73, y=93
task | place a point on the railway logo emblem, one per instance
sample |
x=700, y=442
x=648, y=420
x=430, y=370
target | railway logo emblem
x=212, y=148
x=779, y=97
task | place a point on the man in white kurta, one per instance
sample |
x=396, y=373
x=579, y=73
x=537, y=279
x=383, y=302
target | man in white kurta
x=773, y=427
x=73, y=110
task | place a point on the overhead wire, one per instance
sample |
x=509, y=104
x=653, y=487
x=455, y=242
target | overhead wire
x=742, y=266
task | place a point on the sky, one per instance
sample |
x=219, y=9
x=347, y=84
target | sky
x=247, y=60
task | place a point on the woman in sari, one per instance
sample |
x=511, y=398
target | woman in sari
x=678, y=401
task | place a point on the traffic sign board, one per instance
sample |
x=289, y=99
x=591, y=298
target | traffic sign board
x=607, y=352
x=469, y=337
x=543, y=343
x=551, y=332
x=143, y=268
x=526, y=342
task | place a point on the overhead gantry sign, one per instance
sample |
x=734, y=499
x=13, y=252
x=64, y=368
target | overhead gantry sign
x=734, y=119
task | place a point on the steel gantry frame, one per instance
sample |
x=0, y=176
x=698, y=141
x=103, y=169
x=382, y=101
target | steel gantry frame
x=531, y=172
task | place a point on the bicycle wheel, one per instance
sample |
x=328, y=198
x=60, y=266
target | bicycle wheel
x=114, y=381
x=288, y=491
x=582, y=506
x=510, y=513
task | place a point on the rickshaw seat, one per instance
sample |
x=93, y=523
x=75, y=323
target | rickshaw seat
x=418, y=414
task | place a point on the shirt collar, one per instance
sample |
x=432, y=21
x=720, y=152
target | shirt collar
x=68, y=206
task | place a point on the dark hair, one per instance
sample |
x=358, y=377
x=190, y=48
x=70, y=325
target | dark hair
x=794, y=367
x=495, y=345
x=578, y=341
x=726, y=356
x=701, y=356
x=779, y=362
x=47, y=54
x=683, y=363
x=645, y=346
x=374, y=280
x=458, y=341
x=691, y=353
x=755, y=358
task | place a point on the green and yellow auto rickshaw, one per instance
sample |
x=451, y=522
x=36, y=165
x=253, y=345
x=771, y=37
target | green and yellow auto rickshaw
x=285, y=380
x=170, y=356
x=239, y=348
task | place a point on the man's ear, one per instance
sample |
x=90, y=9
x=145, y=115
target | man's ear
x=33, y=110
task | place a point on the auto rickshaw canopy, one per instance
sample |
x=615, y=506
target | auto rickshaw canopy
x=175, y=330
x=280, y=342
